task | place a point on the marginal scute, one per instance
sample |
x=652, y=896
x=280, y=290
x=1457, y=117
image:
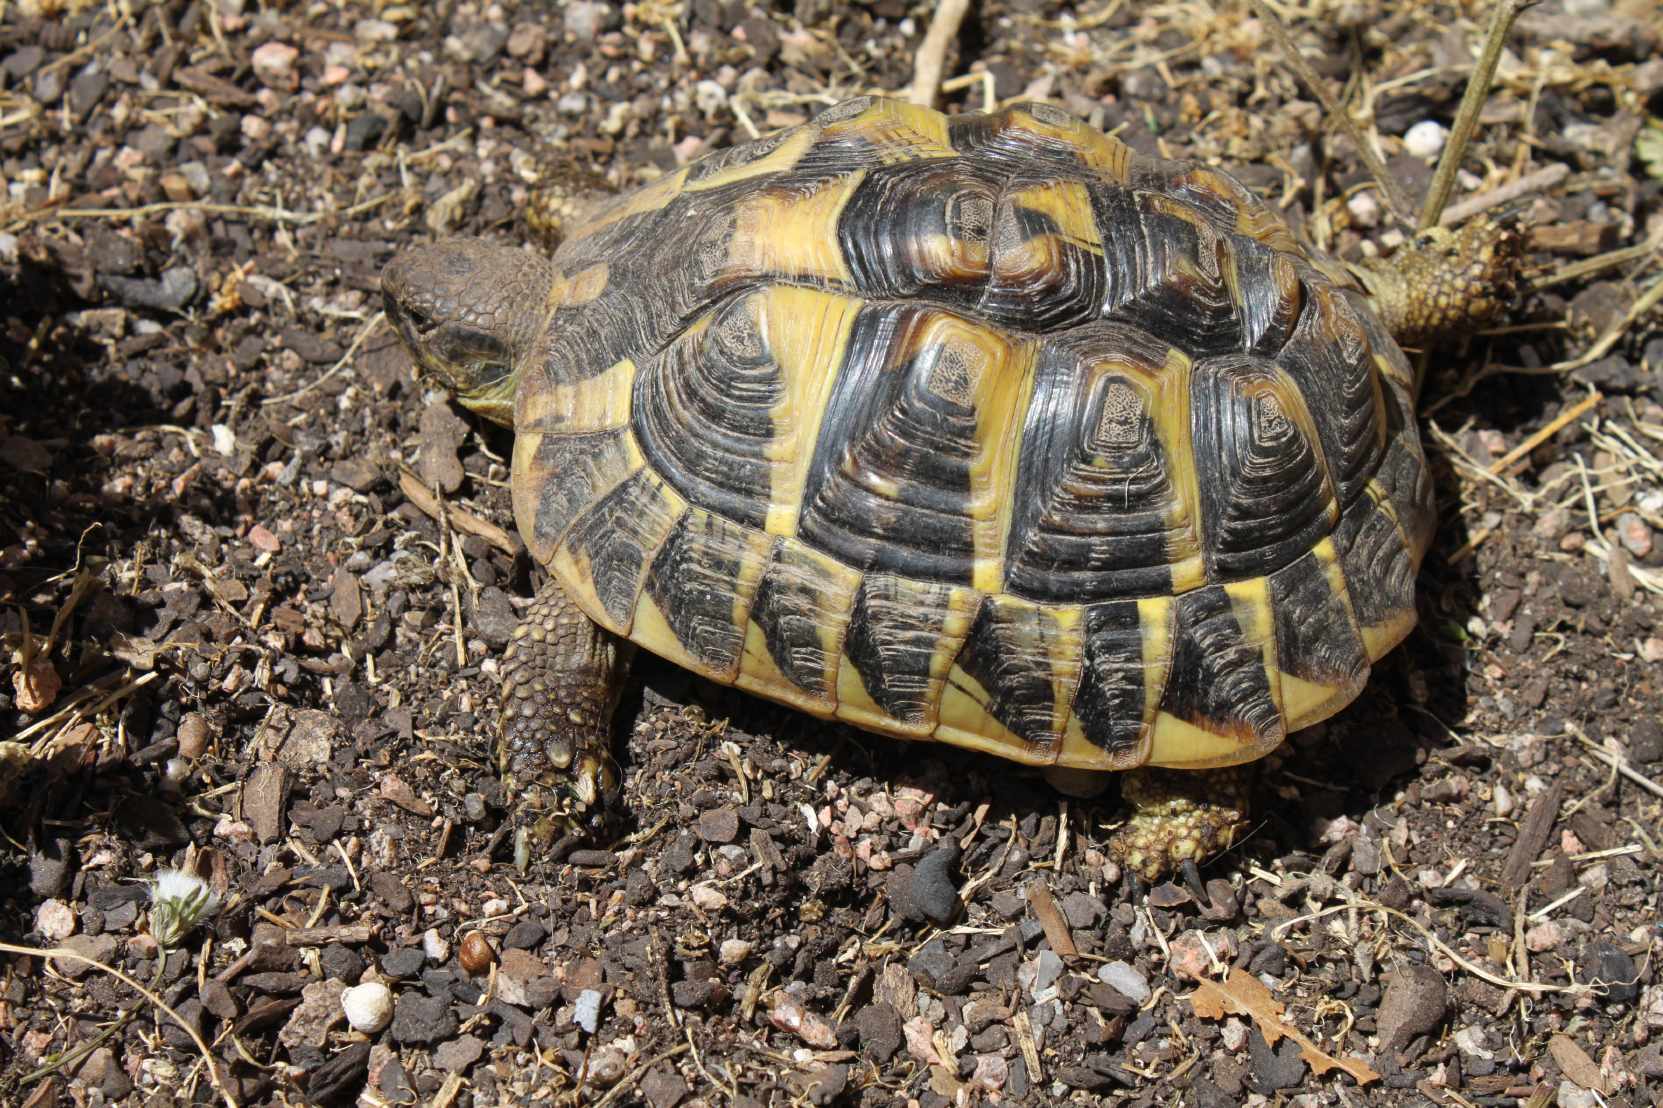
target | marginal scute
x=609, y=548
x=1024, y=661
x=1319, y=646
x=902, y=637
x=794, y=640
x=561, y=475
x=702, y=582
x=1218, y=692
x=1380, y=570
x=1127, y=654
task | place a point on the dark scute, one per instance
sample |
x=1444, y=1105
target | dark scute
x=1164, y=265
x=894, y=630
x=1329, y=357
x=663, y=267
x=884, y=428
x=695, y=582
x=792, y=604
x=1378, y=570
x=1218, y=680
x=1316, y=639
x=895, y=213
x=701, y=413
x=732, y=157
x=998, y=139
x=1066, y=294
x=1008, y=652
x=573, y=471
x=1407, y=481
x=1110, y=701
x=1272, y=296
x=620, y=534
x=1092, y=492
x=1264, y=499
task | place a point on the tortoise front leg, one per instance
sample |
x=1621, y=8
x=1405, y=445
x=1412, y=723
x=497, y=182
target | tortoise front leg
x=561, y=677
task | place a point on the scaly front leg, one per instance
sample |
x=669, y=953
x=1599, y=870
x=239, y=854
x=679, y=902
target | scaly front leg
x=561, y=677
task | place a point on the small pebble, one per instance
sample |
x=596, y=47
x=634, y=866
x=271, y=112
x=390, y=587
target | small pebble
x=368, y=1007
x=435, y=946
x=1503, y=800
x=1364, y=209
x=55, y=920
x=586, y=1011
x=193, y=735
x=735, y=951
x=1426, y=139
x=1126, y=980
x=933, y=891
x=1414, y=1004
x=476, y=954
x=1635, y=534
x=707, y=897
x=607, y=1066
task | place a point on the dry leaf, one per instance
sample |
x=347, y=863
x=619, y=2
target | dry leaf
x=1245, y=995
x=1576, y=1065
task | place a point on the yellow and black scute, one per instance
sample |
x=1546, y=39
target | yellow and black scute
x=981, y=429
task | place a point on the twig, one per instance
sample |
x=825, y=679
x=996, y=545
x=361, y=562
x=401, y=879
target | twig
x=1537, y=180
x=1389, y=188
x=1543, y=434
x=1617, y=763
x=196, y=1036
x=364, y=332
x=422, y=497
x=633, y=1078
x=251, y=211
x=1600, y=262
x=932, y=53
x=1433, y=941
x=1466, y=117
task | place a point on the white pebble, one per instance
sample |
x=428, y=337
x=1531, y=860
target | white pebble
x=1126, y=980
x=1364, y=208
x=55, y=920
x=735, y=951
x=435, y=946
x=1504, y=801
x=586, y=1013
x=1426, y=138
x=368, y=1007
x=707, y=898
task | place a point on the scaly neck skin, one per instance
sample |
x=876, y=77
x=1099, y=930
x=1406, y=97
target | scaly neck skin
x=494, y=402
x=1445, y=285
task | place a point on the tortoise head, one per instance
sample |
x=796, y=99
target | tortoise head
x=471, y=313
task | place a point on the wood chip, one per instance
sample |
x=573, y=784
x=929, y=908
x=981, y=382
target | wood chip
x=422, y=497
x=1533, y=835
x=1576, y=1064
x=1051, y=918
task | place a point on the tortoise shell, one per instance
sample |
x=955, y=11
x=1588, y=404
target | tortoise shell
x=982, y=429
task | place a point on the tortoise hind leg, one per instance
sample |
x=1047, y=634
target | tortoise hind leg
x=561, y=677
x=1178, y=816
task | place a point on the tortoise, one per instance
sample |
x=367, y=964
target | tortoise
x=981, y=429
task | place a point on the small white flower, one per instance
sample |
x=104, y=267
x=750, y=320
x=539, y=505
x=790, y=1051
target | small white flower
x=179, y=901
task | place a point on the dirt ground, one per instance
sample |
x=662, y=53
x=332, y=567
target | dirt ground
x=243, y=638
